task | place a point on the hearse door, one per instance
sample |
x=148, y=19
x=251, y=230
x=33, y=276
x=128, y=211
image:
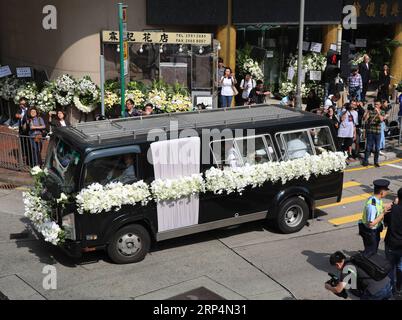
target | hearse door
x=173, y=159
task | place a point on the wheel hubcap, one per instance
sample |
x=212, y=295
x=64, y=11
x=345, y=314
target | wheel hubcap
x=294, y=216
x=129, y=244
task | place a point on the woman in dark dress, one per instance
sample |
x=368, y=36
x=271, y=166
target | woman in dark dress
x=384, y=82
x=60, y=120
x=331, y=115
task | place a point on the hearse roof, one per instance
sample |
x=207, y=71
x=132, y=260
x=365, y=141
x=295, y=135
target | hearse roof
x=99, y=134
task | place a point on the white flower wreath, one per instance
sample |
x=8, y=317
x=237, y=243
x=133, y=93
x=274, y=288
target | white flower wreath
x=87, y=95
x=64, y=90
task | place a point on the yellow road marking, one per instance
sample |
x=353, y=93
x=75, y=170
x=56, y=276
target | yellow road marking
x=346, y=219
x=22, y=189
x=371, y=167
x=360, y=197
x=351, y=184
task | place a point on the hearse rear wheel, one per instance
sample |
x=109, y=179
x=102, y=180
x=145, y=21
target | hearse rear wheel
x=130, y=244
x=292, y=215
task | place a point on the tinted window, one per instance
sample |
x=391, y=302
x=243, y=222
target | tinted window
x=120, y=168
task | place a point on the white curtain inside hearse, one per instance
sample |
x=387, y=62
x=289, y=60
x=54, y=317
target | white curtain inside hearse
x=173, y=159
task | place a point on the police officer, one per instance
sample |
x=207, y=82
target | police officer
x=371, y=224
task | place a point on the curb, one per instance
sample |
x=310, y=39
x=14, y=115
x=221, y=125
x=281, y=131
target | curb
x=15, y=178
x=390, y=155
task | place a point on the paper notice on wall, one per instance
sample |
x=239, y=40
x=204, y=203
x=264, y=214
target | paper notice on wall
x=315, y=75
x=291, y=73
x=316, y=47
x=361, y=43
x=5, y=71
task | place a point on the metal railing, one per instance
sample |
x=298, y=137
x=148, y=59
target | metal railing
x=21, y=153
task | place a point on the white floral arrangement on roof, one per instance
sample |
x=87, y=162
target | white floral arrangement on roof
x=29, y=91
x=38, y=211
x=87, y=95
x=45, y=100
x=64, y=90
x=253, y=68
x=98, y=199
x=9, y=87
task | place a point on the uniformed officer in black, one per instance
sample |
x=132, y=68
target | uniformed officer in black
x=371, y=224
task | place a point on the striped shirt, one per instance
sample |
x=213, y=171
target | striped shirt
x=355, y=81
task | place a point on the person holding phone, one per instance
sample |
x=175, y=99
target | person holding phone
x=228, y=83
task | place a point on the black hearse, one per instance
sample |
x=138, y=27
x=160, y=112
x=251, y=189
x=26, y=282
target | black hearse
x=102, y=147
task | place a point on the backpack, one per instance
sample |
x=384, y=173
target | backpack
x=376, y=266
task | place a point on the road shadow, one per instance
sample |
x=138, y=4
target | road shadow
x=49, y=254
x=319, y=260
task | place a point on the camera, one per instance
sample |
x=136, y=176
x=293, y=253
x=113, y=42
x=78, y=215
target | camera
x=333, y=282
x=370, y=107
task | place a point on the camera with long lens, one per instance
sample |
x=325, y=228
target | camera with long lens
x=333, y=282
x=370, y=107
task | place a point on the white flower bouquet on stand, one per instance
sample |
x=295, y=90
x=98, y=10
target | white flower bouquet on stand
x=9, y=88
x=28, y=90
x=64, y=90
x=45, y=100
x=87, y=95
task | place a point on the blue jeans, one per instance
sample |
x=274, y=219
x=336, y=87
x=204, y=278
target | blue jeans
x=373, y=144
x=383, y=294
x=355, y=93
x=395, y=257
x=226, y=101
x=382, y=143
x=36, y=148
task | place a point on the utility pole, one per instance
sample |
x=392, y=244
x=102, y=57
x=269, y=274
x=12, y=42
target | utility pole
x=300, y=57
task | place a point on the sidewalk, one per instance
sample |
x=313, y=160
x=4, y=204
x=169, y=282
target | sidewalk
x=15, y=178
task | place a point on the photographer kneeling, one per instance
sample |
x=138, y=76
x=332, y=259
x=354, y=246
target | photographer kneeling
x=356, y=281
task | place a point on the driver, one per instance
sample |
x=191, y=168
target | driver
x=127, y=176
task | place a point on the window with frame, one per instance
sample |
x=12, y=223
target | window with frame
x=243, y=151
x=295, y=145
x=322, y=140
x=119, y=168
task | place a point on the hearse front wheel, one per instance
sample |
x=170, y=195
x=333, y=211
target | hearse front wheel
x=130, y=244
x=292, y=215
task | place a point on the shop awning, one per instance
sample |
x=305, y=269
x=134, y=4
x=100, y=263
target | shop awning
x=286, y=11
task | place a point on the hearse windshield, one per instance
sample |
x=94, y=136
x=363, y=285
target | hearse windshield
x=63, y=161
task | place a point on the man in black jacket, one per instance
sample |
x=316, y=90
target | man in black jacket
x=393, y=242
x=365, y=72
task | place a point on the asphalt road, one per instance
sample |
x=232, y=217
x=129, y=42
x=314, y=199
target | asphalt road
x=247, y=262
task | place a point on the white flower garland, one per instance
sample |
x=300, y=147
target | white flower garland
x=29, y=91
x=171, y=189
x=253, y=68
x=88, y=90
x=64, y=90
x=46, y=101
x=97, y=198
x=38, y=211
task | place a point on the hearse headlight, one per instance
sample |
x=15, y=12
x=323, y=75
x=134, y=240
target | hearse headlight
x=68, y=224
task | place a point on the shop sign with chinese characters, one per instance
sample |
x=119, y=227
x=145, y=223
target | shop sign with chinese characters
x=377, y=11
x=150, y=37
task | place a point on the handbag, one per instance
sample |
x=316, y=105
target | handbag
x=235, y=91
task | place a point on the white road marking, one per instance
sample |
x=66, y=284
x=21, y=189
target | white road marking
x=394, y=166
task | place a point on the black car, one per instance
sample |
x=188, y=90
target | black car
x=124, y=151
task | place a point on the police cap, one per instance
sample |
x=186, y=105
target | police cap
x=381, y=184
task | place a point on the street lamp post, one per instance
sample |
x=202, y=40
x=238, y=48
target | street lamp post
x=300, y=57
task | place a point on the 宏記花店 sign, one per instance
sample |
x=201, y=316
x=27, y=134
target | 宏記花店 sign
x=159, y=37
